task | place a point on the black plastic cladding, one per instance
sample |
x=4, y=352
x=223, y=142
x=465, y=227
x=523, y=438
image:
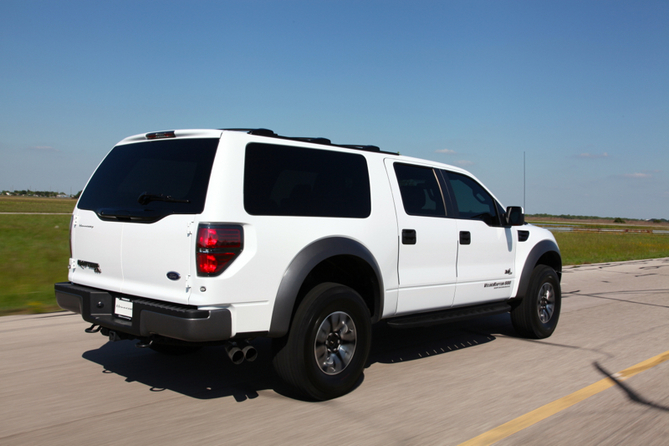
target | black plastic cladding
x=315, y=140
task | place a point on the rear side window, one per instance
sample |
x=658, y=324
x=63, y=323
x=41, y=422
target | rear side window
x=285, y=180
x=421, y=194
x=146, y=181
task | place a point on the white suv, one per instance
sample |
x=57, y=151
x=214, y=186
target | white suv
x=194, y=237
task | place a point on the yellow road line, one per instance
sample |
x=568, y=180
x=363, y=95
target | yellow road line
x=533, y=417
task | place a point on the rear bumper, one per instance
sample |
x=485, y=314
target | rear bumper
x=149, y=317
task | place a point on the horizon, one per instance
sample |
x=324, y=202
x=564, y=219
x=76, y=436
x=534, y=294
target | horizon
x=63, y=195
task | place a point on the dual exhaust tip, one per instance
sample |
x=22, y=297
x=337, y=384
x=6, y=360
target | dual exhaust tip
x=240, y=352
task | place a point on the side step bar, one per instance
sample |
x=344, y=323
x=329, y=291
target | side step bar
x=452, y=315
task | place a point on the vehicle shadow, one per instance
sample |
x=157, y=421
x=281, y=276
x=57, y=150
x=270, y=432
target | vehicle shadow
x=205, y=374
x=209, y=373
x=393, y=345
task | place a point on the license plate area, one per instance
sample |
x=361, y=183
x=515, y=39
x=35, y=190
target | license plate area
x=123, y=308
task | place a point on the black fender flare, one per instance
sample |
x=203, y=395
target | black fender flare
x=300, y=267
x=541, y=248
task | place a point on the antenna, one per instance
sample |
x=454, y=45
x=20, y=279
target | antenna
x=524, y=183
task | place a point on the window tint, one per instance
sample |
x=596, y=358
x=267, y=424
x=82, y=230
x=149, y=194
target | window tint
x=471, y=199
x=283, y=180
x=420, y=190
x=174, y=173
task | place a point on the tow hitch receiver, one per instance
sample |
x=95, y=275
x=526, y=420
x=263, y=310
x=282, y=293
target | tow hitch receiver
x=93, y=328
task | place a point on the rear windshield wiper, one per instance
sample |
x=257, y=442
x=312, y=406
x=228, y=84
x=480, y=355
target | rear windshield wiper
x=130, y=215
x=147, y=198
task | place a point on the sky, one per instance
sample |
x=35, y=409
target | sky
x=560, y=106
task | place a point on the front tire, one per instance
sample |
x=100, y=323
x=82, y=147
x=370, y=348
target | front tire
x=326, y=350
x=536, y=316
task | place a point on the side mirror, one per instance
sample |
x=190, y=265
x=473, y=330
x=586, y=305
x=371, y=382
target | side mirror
x=515, y=216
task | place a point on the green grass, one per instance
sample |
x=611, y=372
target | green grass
x=34, y=251
x=579, y=247
x=30, y=204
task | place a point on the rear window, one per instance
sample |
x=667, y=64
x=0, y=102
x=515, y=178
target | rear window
x=284, y=180
x=146, y=181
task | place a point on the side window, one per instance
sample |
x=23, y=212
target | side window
x=420, y=190
x=471, y=199
x=285, y=180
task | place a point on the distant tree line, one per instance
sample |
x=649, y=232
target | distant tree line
x=585, y=217
x=570, y=217
x=38, y=193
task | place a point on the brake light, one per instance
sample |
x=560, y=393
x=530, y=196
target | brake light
x=217, y=247
x=161, y=135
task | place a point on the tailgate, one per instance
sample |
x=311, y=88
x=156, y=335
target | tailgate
x=147, y=260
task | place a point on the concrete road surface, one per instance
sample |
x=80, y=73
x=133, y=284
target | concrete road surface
x=439, y=386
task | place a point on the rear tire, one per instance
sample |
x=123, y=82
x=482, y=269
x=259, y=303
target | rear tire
x=536, y=316
x=326, y=350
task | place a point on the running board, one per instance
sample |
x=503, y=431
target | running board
x=453, y=315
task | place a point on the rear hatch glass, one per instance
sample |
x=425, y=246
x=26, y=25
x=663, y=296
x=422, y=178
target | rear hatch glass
x=144, y=182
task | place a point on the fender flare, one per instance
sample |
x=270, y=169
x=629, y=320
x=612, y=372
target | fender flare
x=531, y=261
x=300, y=267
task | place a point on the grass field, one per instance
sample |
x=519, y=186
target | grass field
x=581, y=247
x=29, y=204
x=34, y=251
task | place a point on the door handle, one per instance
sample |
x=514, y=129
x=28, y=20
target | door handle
x=465, y=238
x=408, y=236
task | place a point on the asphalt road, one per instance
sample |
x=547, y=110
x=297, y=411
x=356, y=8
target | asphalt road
x=443, y=385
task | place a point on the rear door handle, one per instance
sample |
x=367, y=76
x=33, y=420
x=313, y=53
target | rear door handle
x=465, y=238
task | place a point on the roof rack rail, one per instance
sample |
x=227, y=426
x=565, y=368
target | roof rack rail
x=271, y=134
x=367, y=148
x=259, y=132
x=315, y=140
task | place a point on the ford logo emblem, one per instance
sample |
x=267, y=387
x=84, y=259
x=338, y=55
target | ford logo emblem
x=172, y=275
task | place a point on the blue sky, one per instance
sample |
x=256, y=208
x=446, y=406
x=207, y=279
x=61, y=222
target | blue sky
x=580, y=88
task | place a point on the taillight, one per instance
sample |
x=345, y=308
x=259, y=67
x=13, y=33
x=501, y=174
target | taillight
x=217, y=247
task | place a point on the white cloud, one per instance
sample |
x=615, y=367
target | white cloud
x=637, y=175
x=446, y=151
